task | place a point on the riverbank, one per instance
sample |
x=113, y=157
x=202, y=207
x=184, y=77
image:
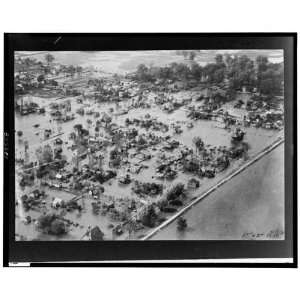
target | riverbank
x=249, y=206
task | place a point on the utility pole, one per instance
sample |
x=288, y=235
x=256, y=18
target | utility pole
x=22, y=104
x=76, y=159
x=100, y=161
x=90, y=158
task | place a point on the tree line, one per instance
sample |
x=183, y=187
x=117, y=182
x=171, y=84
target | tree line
x=236, y=71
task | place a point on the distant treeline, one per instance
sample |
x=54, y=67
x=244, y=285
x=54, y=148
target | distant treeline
x=236, y=71
x=33, y=65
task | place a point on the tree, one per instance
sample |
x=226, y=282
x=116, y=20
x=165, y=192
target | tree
x=79, y=70
x=54, y=82
x=199, y=144
x=71, y=70
x=27, y=62
x=175, y=192
x=262, y=64
x=50, y=223
x=269, y=76
x=196, y=71
x=149, y=217
x=47, y=154
x=185, y=54
x=49, y=58
x=96, y=234
x=215, y=72
x=270, y=82
x=192, y=55
x=181, y=71
x=188, y=54
x=240, y=72
x=113, y=154
x=181, y=224
x=57, y=227
x=46, y=69
x=219, y=75
x=41, y=78
x=78, y=128
x=165, y=73
x=39, y=154
x=44, y=221
x=26, y=146
x=142, y=73
x=191, y=165
x=229, y=60
x=219, y=59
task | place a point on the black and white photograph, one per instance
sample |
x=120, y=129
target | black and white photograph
x=149, y=145
x=169, y=142
x=149, y=150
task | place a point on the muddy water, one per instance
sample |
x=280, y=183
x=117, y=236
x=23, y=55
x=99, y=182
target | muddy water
x=211, y=132
x=250, y=206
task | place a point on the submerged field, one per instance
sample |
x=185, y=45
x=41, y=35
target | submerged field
x=250, y=206
x=212, y=133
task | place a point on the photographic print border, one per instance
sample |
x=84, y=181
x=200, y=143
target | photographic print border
x=114, y=252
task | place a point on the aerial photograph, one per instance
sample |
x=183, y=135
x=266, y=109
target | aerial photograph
x=149, y=145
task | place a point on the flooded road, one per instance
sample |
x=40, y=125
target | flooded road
x=212, y=133
x=250, y=206
x=118, y=145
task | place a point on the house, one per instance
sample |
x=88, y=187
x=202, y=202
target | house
x=57, y=202
x=193, y=183
x=58, y=176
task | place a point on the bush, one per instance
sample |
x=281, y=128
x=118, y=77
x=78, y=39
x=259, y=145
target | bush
x=168, y=209
x=181, y=223
x=24, y=198
x=77, y=185
x=191, y=166
x=96, y=234
x=176, y=202
x=149, y=218
x=51, y=224
x=175, y=192
x=147, y=188
x=40, y=172
x=113, y=154
x=40, y=78
x=57, y=227
x=115, y=162
x=45, y=221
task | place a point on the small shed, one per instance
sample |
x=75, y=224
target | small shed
x=57, y=202
x=58, y=176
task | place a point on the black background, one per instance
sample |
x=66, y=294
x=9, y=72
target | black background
x=74, y=251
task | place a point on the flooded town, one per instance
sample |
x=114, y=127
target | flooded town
x=138, y=145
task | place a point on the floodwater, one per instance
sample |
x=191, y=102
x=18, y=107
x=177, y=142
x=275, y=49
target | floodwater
x=212, y=132
x=249, y=206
